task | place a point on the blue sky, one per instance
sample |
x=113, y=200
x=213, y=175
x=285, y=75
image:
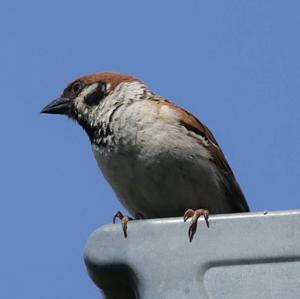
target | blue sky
x=234, y=63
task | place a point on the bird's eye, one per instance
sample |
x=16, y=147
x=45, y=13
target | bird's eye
x=76, y=87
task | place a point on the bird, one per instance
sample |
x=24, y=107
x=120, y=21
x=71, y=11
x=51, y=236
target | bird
x=160, y=160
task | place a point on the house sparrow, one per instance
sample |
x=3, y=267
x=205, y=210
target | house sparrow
x=160, y=160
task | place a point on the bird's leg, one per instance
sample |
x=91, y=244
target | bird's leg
x=195, y=214
x=124, y=221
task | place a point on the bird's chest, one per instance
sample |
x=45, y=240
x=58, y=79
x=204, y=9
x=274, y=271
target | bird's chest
x=157, y=182
x=155, y=168
x=131, y=169
x=134, y=151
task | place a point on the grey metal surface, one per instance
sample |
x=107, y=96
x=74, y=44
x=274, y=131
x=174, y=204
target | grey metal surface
x=249, y=255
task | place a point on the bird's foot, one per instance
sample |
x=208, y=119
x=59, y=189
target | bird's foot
x=195, y=214
x=124, y=221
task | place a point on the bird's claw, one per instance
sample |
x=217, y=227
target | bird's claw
x=195, y=214
x=124, y=221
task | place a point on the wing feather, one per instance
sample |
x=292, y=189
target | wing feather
x=231, y=187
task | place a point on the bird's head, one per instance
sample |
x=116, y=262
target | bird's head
x=88, y=99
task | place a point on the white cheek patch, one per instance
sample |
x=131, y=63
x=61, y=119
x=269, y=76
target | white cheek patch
x=88, y=90
x=79, y=101
x=129, y=90
x=108, y=86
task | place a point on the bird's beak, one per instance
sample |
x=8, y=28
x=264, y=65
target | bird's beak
x=58, y=106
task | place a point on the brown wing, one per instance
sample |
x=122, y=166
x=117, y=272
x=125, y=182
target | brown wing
x=230, y=184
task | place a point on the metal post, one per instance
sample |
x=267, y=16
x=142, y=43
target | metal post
x=248, y=255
